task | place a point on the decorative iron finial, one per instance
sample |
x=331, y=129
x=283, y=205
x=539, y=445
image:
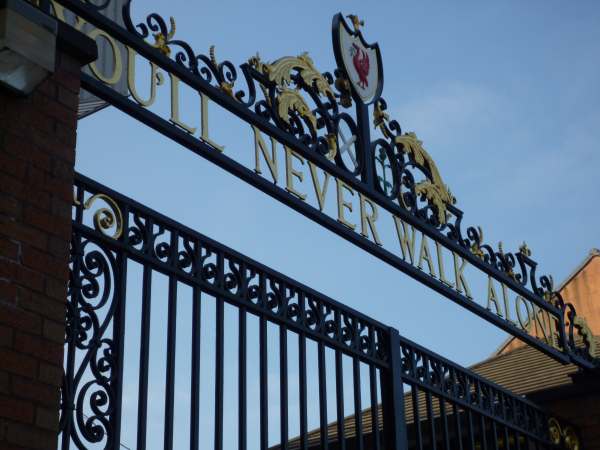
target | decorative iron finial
x=343, y=85
x=379, y=116
x=524, y=249
x=332, y=144
x=476, y=245
x=356, y=22
x=161, y=41
x=224, y=85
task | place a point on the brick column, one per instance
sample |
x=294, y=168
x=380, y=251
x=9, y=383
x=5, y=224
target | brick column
x=37, y=157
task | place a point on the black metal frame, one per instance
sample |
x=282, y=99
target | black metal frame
x=204, y=75
x=96, y=331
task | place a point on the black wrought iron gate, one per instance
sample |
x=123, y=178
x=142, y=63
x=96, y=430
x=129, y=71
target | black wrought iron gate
x=401, y=395
x=244, y=357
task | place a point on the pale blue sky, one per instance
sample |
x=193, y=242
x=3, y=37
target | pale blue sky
x=505, y=96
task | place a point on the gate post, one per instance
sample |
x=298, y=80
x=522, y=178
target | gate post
x=37, y=157
x=392, y=397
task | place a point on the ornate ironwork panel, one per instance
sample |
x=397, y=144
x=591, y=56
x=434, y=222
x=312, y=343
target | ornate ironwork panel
x=316, y=343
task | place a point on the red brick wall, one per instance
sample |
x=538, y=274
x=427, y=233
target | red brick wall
x=37, y=155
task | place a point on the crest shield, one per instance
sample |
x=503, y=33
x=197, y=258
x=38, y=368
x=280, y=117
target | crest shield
x=360, y=61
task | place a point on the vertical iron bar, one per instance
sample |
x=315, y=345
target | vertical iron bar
x=364, y=143
x=495, y=433
x=416, y=416
x=68, y=411
x=242, y=426
x=119, y=333
x=302, y=387
x=322, y=396
x=357, y=404
x=431, y=419
x=483, y=433
x=444, y=420
x=219, y=367
x=144, y=358
x=374, y=408
x=506, y=438
x=171, y=345
x=470, y=429
x=517, y=440
x=457, y=413
x=339, y=392
x=264, y=403
x=283, y=386
x=392, y=397
x=196, y=341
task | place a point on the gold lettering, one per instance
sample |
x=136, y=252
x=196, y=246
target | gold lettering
x=156, y=79
x=523, y=323
x=506, y=304
x=260, y=145
x=319, y=191
x=175, y=106
x=461, y=281
x=407, y=243
x=538, y=321
x=493, y=298
x=443, y=279
x=117, y=58
x=368, y=220
x=425, y=255
x=341, y=204
x=290, y=173
x=204, y=123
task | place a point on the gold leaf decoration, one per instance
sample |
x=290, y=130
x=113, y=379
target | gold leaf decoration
x=161, y=41
x=281, y=71
x=106, y=218
x=586, y=334
x=565, y=434
x=290, y=99
x=433, y=188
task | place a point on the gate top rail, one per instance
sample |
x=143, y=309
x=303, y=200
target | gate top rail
x=174, y=249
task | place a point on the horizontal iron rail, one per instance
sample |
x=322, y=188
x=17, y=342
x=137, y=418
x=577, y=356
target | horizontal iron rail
x=213, y=155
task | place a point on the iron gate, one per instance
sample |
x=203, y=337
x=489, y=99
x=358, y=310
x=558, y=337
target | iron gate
x=401, y=395
x=264, y=361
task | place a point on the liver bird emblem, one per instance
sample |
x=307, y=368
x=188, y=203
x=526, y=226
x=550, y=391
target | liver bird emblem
x=360, y=59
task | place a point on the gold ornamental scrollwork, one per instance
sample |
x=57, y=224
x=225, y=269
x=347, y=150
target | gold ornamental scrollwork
x=290, y=99
x=563, y=434
x=287, y=98
x=106, y=218
x=432, y=188
x=280, y=72
x=586, y=334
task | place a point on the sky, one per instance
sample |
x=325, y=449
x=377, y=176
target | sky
x=504, y=95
